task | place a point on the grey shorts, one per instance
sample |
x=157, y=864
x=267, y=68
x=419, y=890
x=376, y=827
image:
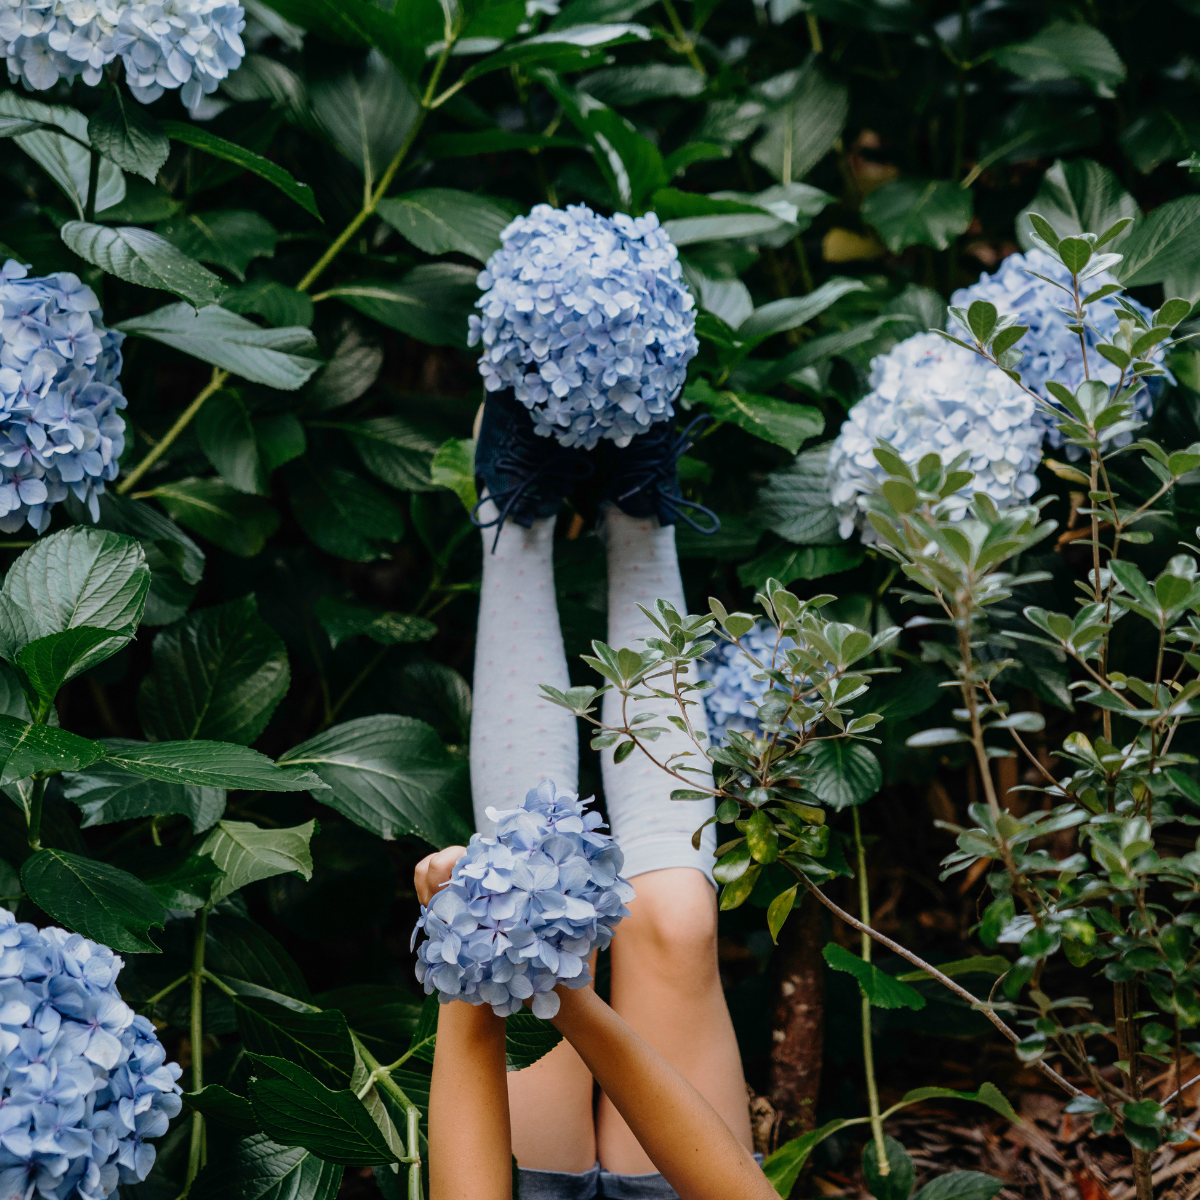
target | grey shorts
x=588, y=1185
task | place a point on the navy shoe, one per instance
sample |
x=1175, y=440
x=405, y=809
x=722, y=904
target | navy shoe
x=525, y=476
x=645, y=476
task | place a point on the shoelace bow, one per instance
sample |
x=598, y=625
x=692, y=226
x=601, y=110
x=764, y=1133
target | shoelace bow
x=654, y=470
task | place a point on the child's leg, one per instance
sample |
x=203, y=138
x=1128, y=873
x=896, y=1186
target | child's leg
x=697, y=1153
x=665, y=981
x=469, y=1155
x=517, y=740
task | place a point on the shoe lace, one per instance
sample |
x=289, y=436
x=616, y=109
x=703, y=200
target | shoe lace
x=527, y=461
x=650, y=468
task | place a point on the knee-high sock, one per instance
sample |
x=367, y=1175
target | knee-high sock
x=517, y=737
x=655, y=831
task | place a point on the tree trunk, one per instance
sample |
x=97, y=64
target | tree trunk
x=797, y=1023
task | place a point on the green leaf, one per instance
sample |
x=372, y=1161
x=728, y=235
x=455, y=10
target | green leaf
x=773, y=420
x=318, y=1041
x=787, y=563
x=70, y=579
x=281, y=439
x=389, y=774
x=26, y=749
x=236, y=522
x=1078, y=196
x=1065, y=50
x=527, y=1038
x=217, y=675
x=578, y=41
x=227, y=1108
x=910, y=212
x=278, y=305
x=126, y=134
x=396, y=450
x=247, y=853
x=250, y=960
x=783, y=1168
x=961, y=1185
x=491, y=141
x=49, y=662
x=897, y=1183
x=781, y=315
x=188, y=884
x=431, y=303
x=778, y=910
x=342, y=620
x=202, y=139
x=439, y=220
x=803, y=130
x=278, y=358
x=62, y=157
x=296, y=1109
x=622, y=87
x=794, y=502
x=228, y=440
x=995, y=964
x=881, y=989
x=1165, y=245
x=342, y=513
x=141, y=257
x=453, y=467
x=844, y=773
x=989, y=1095
x=93, y=898
x=256, y=1168
x=210, y=764
x=230, y=239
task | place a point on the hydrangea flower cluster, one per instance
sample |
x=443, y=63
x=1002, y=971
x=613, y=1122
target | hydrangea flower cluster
x=85, y=1082
x=732, y=702
x=187, y=44
x=929, y=395
x=60, y=424
x=588, y=320
x=524, y=910
x=1052, y=351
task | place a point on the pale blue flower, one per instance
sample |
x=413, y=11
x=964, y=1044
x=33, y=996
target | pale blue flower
x=732, y=701
x=1051, y=351
x=44, y=41
x=525, y=909
x=929, y=395
x=60, y=423
x=85, y=1082
x=588, y=321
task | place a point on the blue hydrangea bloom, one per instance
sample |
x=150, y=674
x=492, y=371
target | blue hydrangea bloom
x=85, y=1082
x=732, y=702
x=524, y=910
x=60, y=424
x=186, y=44
x=1051, y=350
x=588, y=320
x=929, y=395
x=44, y=41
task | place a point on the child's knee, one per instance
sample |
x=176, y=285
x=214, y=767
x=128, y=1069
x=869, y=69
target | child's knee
x=674, y=921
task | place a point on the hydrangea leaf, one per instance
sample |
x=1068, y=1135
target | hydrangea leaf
x=391, y=775
x=156, y=532
x=783, y=1167
x=492, y=141
x=795, y=502
x=1165, y=244
x=342, y=620
x=578, y=41
x=26, y=749
x=988, y=1095
x=1065, y=50
x=961, y=1185
x=139, y=256
x=279, y=358
x=319, y=1041
x=77, y=577
x=223, y=1106
x=48, y=662
x=926, y=212
x=230, y=238
x=202, y=139
x=233, y=520
x=882, y=989
x=453, y=467
x=527, y=1039
x=218, y=675
x=439, y=220
x=352, y=369
x=278, y=305
x=431, y=303
x=256, y=1168
x=186, y=885
x=228, y=439
x=397, y=450
x=212, y=764
x=295, y=1108
x=897, y=1182
x=626, y=86
x=247, y=853
x=803, y=130
x=95, y=899
x=247, y=957
x=781, y=422
x=341, y=512
x=788, y=563
x=1078, y=195
x=782, y=315
x=126, y=134
x=844, y=773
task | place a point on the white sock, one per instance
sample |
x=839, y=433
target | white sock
x=518, y=738
x=655, y=831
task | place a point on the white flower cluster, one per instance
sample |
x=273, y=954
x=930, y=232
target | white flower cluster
x=1051, y=350
x=588, y=320
x=186, y=44
x=60, y=427
x=927, y=396
x=732, y=702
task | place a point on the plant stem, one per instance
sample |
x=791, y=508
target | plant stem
x=196, y=1035
x=413, y=1115
x=353, y=686
x=864, y=908
x=684, y=45
x=89, y=205
x=166, y=991
x=35, y=812
x=214, y=385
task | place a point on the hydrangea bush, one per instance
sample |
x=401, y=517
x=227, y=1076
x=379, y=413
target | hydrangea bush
x=60, y=400
x=588, y=320
x=525, y=909
x=86, y=1084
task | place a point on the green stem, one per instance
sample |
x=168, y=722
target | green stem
x=89, y=205
x=35, y=812
x=685, y=44
x=196, y=1151
x=162, y=995
x=214, y=385
x=864, y=908
x=354, y=685
x=414, y=1152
